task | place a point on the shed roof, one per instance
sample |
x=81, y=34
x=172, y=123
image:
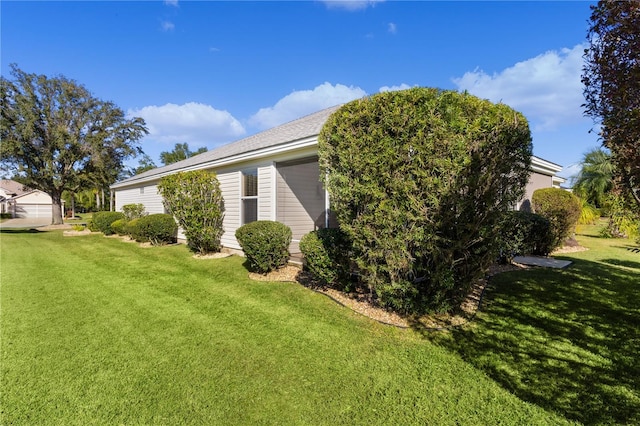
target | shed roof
x=301, y=128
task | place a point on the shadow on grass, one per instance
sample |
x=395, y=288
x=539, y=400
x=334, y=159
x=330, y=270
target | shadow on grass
x=625, y=263
x=20, y=231
x=566, y=340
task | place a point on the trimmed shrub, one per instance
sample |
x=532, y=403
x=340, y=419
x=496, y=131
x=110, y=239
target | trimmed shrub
x=524, y=233
x=119, y=226
x=561, y=208
x=102, y=221
x=419, y=180
x=194, y=198
x=157, y=228
x=327, y=256
x=265, y=244
x=133, y=211
x=131, y=229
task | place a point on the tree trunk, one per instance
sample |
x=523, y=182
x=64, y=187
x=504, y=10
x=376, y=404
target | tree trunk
x=73, y=206
x=56, y=210
x=97, y=200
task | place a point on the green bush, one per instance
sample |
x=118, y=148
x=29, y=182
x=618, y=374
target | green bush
x=131, y=229
x=327, y=256
x=194, y=198
x=5, y=216
x=102, y=221
x=157, y=228
x=419, y=180
x=119, y=226
x=524, y=233
x=133, y=211
x=561, y=208
x=265, y=244
x=588, y=213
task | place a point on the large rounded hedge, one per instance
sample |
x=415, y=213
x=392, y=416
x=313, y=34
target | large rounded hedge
x=419, y=180
x=561, y=208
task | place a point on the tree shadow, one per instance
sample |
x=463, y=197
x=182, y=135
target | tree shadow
x=20, y=231
x=625, y=263
x=566, y=340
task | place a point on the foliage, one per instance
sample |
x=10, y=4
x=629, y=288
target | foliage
x=419, y=180
x=611, y=78
x=102, y=221
x=57, y=136
x=624, y=222
x=180, y=152
x=158, y=229
x=561, y=208
x=265, y=244
x=5, y=215
x=119, y=226
x=133, y=211
x=327, y=255
x=588, y=213
x=523, y=233
x=131, y=229
x=194, y=198
x=595, y=179
x=144, y=164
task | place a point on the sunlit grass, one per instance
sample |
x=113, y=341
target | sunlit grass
x=98, y=331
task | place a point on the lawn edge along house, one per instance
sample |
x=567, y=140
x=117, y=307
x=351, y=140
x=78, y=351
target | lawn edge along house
x=272, y=175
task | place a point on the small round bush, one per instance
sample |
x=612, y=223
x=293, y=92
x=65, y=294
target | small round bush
x=265, y=244
x=561, y=208
x=102, y=221
x=119, y=226
x=327, y=256
x=133, y=211
x=158, y=228
x=131, y=229
x=523, y=233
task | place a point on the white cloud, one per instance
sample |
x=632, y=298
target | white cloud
x=403, y=86
x=214, y=49
x=547, y=88
x=167, y=26
x=194, y=123
x=350, y=5
x=302, y=102
x=171, y=3
x=392, y=28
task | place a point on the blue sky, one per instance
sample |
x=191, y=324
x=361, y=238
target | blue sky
x=208, y=73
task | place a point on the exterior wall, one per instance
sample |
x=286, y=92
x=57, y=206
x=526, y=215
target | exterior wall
x=230, y=187
x=536, y=181
x=36, y=204
x=146, y=194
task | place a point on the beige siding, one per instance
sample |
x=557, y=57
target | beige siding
x=230, y=187
x=536, y=181
x=147, y=195
x=300, y=201
x=265, y=192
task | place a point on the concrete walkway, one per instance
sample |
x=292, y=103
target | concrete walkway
x=25, y=223
x=545, y=262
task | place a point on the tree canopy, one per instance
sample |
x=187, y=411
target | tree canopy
x=180, y=152
x=57, y=136
x=611, y=78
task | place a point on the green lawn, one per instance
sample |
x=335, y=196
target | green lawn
x=98, y=331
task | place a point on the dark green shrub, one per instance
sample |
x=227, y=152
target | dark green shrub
x=524, y=233
x=265, y=244
x=419, y=180
x=194, y=198
x=119, y=226
x=5, y=216
x=102, y=221
x=157, y=228
x=327, y=256
x=133, y=211
x=561, y=208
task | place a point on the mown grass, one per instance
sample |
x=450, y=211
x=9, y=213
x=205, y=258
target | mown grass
x=566, y=340
x=98, y=331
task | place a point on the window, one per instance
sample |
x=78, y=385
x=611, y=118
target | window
x=249, y=196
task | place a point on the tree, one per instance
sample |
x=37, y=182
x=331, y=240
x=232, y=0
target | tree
x=144, y=164
x=194, y=198
x=595, y=179
x=611, y=78
x=57, y=136
x=420, y=180
x=180, y=152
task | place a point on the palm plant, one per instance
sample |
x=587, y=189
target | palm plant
x=595, y=179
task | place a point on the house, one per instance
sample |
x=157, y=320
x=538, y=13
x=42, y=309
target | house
x=23, y=202
x=272, y=175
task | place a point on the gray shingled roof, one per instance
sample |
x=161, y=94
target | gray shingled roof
x=301, y=128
